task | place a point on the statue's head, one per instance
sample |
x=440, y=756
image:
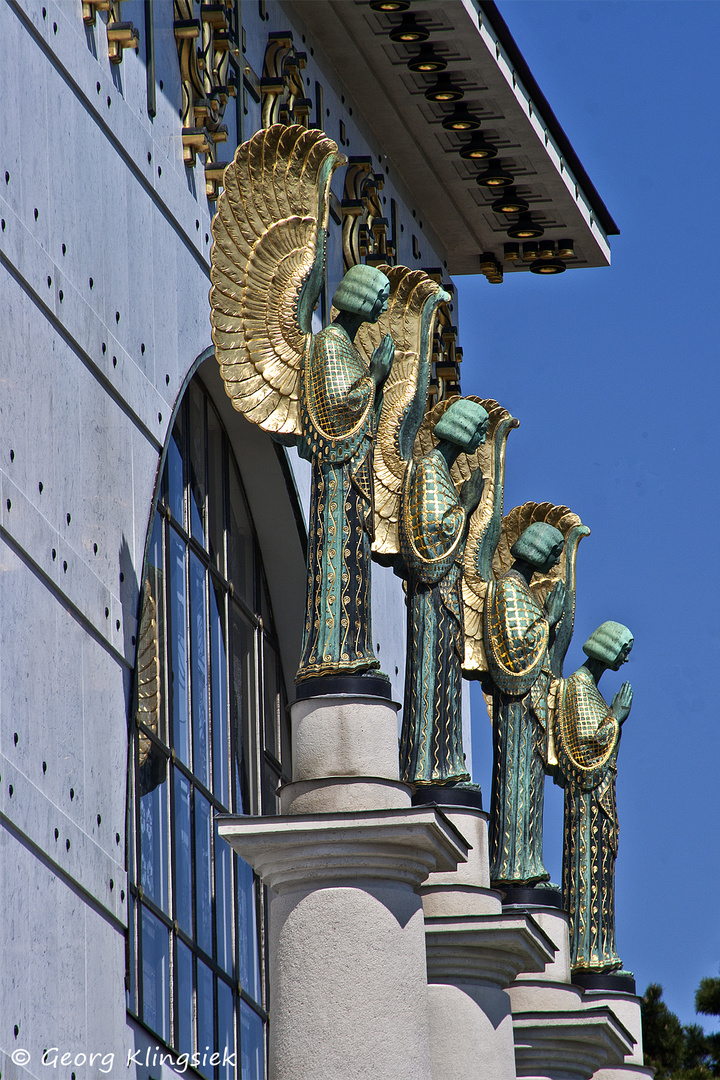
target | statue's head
x=540, y=545
x=464, y=423
x=363, y=291
x=611, y=644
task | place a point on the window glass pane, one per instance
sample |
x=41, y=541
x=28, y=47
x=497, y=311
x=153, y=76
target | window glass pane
x=252, y=1044
x=285, y=750
x=240, y=543
x=174, y=471
x=221, y=749
x=223, y=904
x=153, y=845
x=183, y=862
x=178, y=649
x=247, y=931
x=271, y=782
x=198, y=642
x=130, y=1001
x=155, y=577
x=205, y=1015
x=156, y=974
x=243, y=694
x=271, y=695
x=203, y=872
x=196, y=428
x=184, y=994
x=226, y=1030
x=216, y=499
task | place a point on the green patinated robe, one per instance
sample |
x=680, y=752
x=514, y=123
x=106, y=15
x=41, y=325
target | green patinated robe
x=516, y=636
x=432, y=534
x=586, y=737
x=338, y=423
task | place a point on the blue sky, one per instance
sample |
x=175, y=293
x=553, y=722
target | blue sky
x=615, y=376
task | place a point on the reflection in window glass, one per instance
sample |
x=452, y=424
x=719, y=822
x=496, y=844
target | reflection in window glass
x=252, y=1044
x=247, y=938
x=196, y=426
x=183, y=854
x=240, y=544
x=174, y=472
x=198, y=643
x=221, y=748
x=243, y=693
x=155, y=975
x=223, y=904
x=130, y=993
x=226, y=1030
x=153, y=845
x=205, y=1017
x=203, y=872
x=272, y=700
x=178, y=649
x=216, y=741
x=184, y=995
x=216, y=501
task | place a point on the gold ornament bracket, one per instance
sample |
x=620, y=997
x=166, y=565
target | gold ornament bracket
x=282, y=91
x=120, y=35
x=446, y=353
x=206, y=35
x=364, y=228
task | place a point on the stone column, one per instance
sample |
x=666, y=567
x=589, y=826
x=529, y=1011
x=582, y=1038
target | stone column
x=617, y=993
x=348, y=991
x=558, y=1034
x=474, y=951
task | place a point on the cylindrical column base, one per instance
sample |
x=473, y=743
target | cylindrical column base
x=349, y=999
x=471, y=1032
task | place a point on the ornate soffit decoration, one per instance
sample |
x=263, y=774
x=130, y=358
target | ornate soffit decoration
x=364, y=227
x=120, y=35
x=206, y=35
x=282, y=89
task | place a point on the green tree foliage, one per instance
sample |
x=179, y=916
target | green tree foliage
x=677, y=1051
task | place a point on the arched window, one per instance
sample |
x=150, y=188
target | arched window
x=210, y=736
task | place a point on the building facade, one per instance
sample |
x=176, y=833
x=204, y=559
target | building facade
x=152, y=542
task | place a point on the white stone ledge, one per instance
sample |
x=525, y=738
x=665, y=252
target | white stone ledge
x=489, y=949
x=345, y=849
x=568, y=1046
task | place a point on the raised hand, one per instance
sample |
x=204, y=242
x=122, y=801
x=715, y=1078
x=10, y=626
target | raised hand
x=381, y=361
x=555, y=603
x=622, y=703
x=471, y=491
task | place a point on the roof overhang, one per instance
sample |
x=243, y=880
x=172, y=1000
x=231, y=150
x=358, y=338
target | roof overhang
x=497, y=86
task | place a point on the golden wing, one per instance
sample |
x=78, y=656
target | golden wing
x=409, y=319
x=268, y=247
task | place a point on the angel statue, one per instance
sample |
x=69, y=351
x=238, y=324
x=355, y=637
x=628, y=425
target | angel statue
x=318, y=391
x=428, y=483
x=520, y=593
x=587, y=734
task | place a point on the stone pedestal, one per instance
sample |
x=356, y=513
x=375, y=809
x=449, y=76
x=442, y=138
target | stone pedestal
x=348, y=985
x=474, y=951
x=626, y=1007
x=559, y=1035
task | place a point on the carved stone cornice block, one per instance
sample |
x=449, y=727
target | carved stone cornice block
x=570, y=1045
x=340, y=849
x=484, y=949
